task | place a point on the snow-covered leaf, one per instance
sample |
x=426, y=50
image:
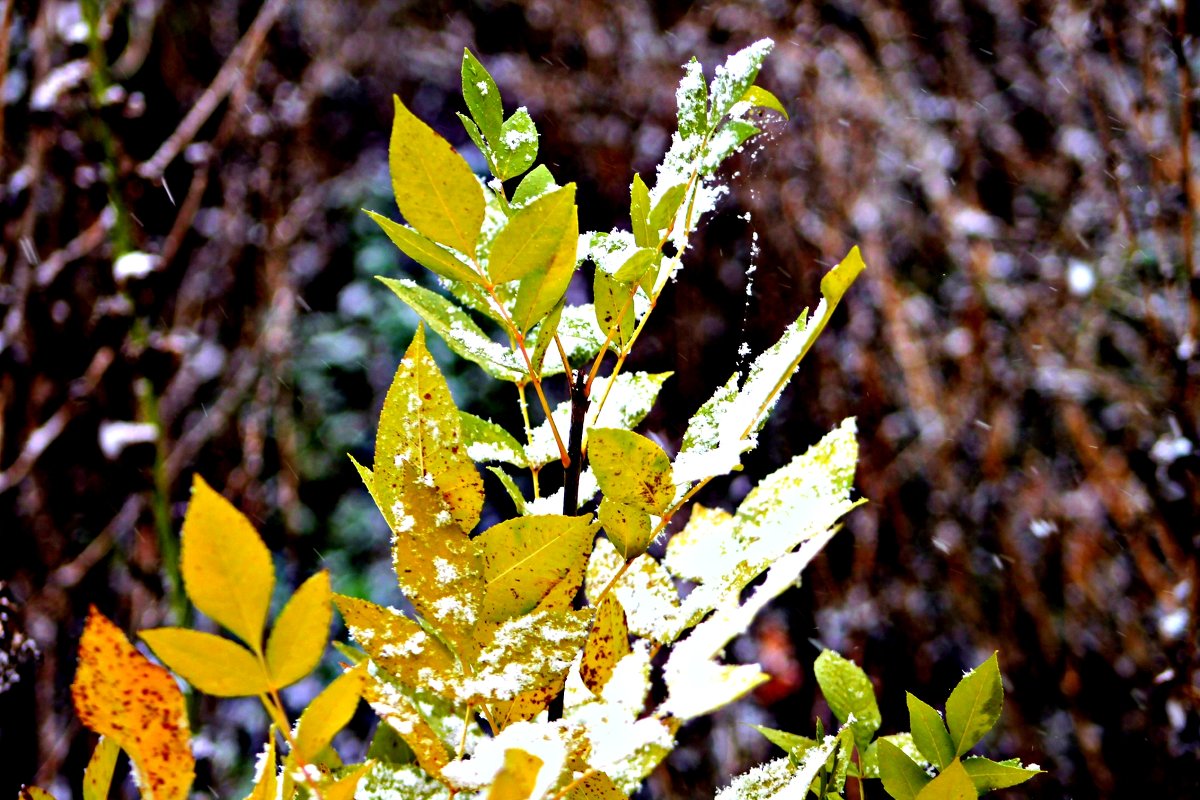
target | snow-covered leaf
x=734, y=77
x=691, y=99
x=517, y=146
x=398, y=644
x=487, y=441
x=526, y=653
x=691, y=552
x=538, y=182
x=726, y=425
x=430, y=726
x=461, y=333
x=781, y=779
x=646, y=591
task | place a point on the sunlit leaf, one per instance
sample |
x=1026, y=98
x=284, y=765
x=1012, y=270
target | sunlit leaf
x=511, y=488
x=974, y=705
x=482, y=96
x=849, y=693
x=538, y=182
x=487, y=441
x=614, y=307
x=526, y=653
x=793, y=744
x=988, y=775
x=34, y=793
x=902, y=778
x=346, y=786
x=929, y=732
x=97, y=778
x=952, y=783
x=524, y=558
x=265, y=772
x=665, y=210
x=639, y=212
x=542, y=337
x=211, y=663
x=544, y=288
x=328, y=713
x=119, y=694
x=435, y=189
x=607, y=643
x=398, y=644
x=529, y=240
x=419, y=719
x=734, y=77
x=298, y=638
x=426, y=252
x=461, y=333
x=516, y=779
x=626, y=526
x=631, y=468
x=226, y=568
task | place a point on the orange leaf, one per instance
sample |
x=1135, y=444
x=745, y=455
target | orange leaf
x=118, y=693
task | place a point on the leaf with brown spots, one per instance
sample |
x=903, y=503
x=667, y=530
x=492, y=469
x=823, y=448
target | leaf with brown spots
x=525, y=558
x=631, y=468
x=596, y=786
x=607, y=643
x=626, y=526
x=97, y=778
x=413, y=715
x=118, y=693
x=34, y=793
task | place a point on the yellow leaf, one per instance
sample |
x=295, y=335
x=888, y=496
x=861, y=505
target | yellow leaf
x=541, y=290
x=596, y=786
x=213, y=664
x=343, y=788
x=517, y=778
x=97, y=778
x=118, y=693
x=395, y=642
x=631, y=468
x=396, y=705
x=526, y=557
x=298, y=638
x=436, y=190
x=420, y=439
x=328, y=713
x=34, y=793
x=607, y=643
x=626, y=526
x=265, y=775
x=227, y=569
x=526, y=653
x=531, y=236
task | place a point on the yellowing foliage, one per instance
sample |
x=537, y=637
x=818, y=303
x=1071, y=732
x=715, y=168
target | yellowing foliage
x=118, y=693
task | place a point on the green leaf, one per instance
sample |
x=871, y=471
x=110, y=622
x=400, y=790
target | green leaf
x=636, y=265
x=435, y=188
x=929, y=732
x=530, y=238
x=665, y=211
x=902, y=778
x=631, y=468
x=849, y=692
x=479, y=140
x=953, y=783
x=510, y=486
x=974, y=705
x=543, y=289
x=759, y=97
x=538, y=182
x=97, y=777
x=482, y=96
x=734, y=77
x=426, y=252
x=524, y=558
x=227, y=570
x=626, y=526
x=396, y=643
x=328, y=713
x=691, y=99
x=301, y=631
x=212, y=664
x=607, y=643
x=517, y=145
x=542, y=336
x=639, y=213
x=461, y=333
x=988, y=775
x=792, y=743
x=487, y=441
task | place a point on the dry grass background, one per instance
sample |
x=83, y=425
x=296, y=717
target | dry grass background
x=1021, y=355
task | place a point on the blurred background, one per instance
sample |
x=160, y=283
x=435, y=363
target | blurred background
x=186, y=286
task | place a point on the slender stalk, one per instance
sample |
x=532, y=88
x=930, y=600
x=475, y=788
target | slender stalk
x=462, y=744
x=275, y=709
x=579, y=410
x=613, y=582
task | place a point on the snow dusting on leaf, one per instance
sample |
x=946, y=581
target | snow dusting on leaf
x=526, y=653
